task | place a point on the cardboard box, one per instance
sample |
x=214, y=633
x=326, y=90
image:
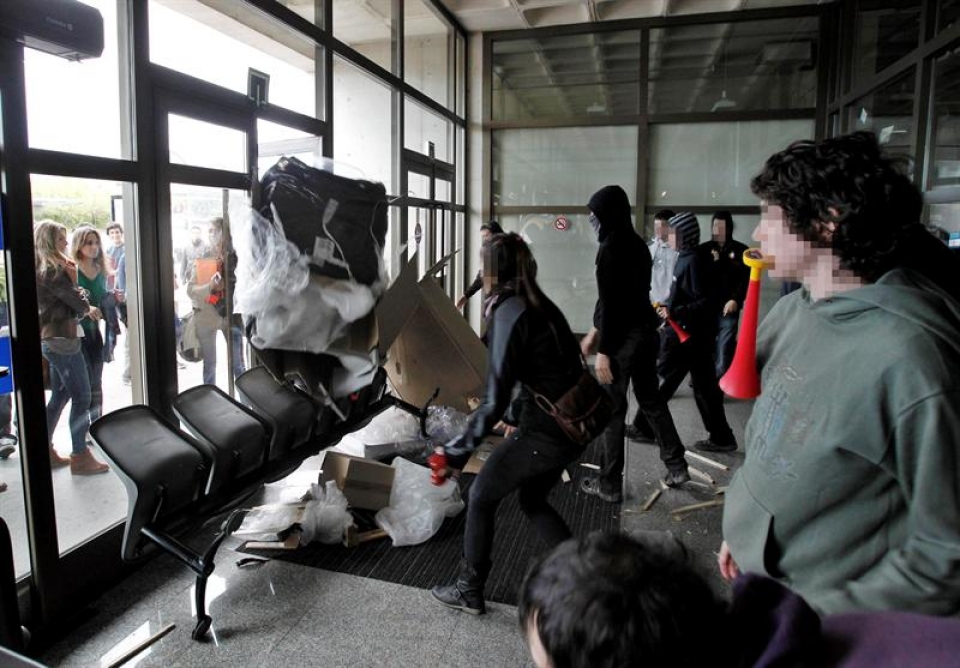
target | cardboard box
x=365, y=483
x=425, y=341
x=480, y=455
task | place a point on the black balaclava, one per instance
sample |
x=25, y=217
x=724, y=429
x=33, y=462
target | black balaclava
x=612, y=208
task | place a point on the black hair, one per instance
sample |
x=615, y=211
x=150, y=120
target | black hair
x=664, y=214
x=492, y=226
x=727, y=221
x=847, y=181
x=610, y=600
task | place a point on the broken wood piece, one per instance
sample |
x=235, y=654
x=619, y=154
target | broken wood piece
x=676, y=512
x=352, y=537
x=140, y=646
x=707, y=461
x=651, y=499
x=565, y=475
x=720, y=490
x=697, y=473
x=664, y=486
x=588, y=465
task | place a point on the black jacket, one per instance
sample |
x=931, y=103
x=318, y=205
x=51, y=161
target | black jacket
x=533, y=347
x=733, y=275
x=694, y=302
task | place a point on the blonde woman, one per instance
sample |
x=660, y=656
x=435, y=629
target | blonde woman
x=92, y=276
x=61, y=304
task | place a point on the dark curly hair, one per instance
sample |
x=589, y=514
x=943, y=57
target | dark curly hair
x=847, y=181
x=611, y=601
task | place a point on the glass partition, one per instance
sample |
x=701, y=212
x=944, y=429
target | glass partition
x=945, y=121
x=428, y=52
x=361, y=139
x=888, y=111
x=422, y=127
x=367, y=27
x=885, y=31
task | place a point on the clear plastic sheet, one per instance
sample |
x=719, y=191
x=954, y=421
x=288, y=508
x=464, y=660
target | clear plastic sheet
x=395, y=425
x=417, y=506
x=326, y=516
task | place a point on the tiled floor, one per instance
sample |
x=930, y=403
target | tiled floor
x=283, y=615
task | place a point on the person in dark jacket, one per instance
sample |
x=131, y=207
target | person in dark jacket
x=627, y=343
x=487, y=230
x=693, y=304
x=734, y=277
x=614, y=600
x=530, y=345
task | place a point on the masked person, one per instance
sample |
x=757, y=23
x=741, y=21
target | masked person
x=530, y=345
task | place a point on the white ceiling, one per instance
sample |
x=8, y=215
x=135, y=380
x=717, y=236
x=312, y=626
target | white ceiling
x=484, y=15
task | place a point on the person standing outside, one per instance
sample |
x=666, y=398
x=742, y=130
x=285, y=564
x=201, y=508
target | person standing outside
x=61, y=305
x=624, y=335
x=92, y=277
x=487, y=230
x=848, y=492
x=530, y=346
x=734, y=277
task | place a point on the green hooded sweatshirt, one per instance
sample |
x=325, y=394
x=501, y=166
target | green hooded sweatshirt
x=850, y=490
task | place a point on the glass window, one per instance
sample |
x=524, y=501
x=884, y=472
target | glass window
x=595, y=74
x=562, y=166
x=711, y=164
x=886, y=31
x=427, y=51
x=564, y=254
x=423, y=127
x=754, y=65
x=85, y=208
x=362, y=139
x=367, y=27
x=75, y=107
x=888, y=111
x=947, y=14
x=275, y=141
x=230, y=45
x=947, y=218
x=203, y=144
x=946, y=124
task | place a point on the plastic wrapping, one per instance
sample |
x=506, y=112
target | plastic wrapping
x=417, y=507
x=326, y=516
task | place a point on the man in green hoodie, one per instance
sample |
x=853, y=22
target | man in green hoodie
x=849, y=493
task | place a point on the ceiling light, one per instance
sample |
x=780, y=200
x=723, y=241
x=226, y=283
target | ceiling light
x=724, y=102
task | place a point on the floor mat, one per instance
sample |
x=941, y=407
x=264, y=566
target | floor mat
x=435, y=562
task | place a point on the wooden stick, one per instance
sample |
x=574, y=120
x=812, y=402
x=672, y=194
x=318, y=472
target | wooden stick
x=697, y=473
x=651, y=499
x=588, y=465
x=707, y=461
x=142, y=645
x=676, y=512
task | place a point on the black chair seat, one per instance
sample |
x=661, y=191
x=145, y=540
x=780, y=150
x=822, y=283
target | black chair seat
x=290, y=415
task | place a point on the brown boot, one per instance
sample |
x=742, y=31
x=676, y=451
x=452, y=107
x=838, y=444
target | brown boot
x=85, y=464
x=57, y=460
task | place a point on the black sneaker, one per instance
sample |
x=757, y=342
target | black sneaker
x=676, y=478
x=592, y=486
x=465, y=601
x=711, y=446
x=635, y=434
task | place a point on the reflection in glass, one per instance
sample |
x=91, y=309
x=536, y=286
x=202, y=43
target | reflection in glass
x=594, y=74
x=886, y=30
x=204, y=267
x=361, y=139
x=946, y=120
x=75, y=107
x=755, y=65
x=888, y=111
x=275, y=141
x=711, y=164
x=88, y=506
x=231, y=45
x=427, y=51
x=562, y=166
x=422, y=127
x=947, y=218
x=203, y=144
x=367, y=27
x=947, y=13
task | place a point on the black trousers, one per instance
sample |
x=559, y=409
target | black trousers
x=531, y=464
x=636, y=362
x=695, y=357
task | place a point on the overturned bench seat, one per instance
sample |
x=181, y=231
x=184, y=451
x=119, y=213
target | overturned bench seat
x=177, y=481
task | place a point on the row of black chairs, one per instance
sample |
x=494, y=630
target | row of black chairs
x=176, y=481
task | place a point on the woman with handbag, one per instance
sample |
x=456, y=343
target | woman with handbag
x=62, y=303
x=530, y=344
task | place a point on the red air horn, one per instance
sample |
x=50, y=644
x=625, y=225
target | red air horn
x=741, y=381
x=681, y=332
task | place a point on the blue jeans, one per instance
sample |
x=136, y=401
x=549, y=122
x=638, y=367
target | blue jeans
x=70, y=382
x=726, y=341
x=208, y=350
x=92, y=348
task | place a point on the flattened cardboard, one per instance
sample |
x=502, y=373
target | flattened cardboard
x=366, y=484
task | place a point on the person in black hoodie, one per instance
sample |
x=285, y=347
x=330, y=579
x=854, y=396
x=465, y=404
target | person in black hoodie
x=693, y=304
x=530, y=345
x=625, y=336
x=734, y=277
